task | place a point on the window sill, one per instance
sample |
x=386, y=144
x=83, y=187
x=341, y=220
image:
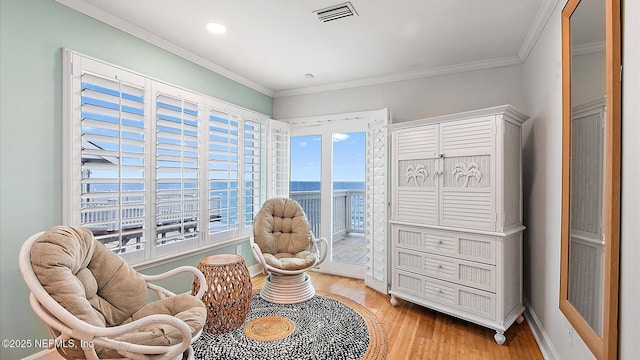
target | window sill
x=183, y=255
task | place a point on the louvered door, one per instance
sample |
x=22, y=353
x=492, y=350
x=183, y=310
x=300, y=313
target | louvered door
x=467, y=193
x=416, y=179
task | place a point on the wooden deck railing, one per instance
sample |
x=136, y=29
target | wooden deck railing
x=102, y=217
x=348, y=210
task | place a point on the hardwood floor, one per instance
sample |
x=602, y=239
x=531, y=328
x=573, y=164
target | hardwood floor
x=415, y=332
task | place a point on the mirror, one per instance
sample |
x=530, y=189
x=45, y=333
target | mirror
x=591, y=171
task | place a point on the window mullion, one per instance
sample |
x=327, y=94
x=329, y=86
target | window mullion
x=240, y=174
x=203, y=169
x=120, y=195
x=183, y=209
x=150, y=173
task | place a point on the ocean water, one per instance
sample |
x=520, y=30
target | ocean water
x=315, y=185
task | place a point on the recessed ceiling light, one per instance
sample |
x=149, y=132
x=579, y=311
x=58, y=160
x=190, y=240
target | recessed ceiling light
x=309, y=75
x=216, y=28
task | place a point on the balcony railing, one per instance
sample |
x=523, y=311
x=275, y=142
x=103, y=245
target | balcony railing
x=348, y=210
x=172, y=220
x=102, y=217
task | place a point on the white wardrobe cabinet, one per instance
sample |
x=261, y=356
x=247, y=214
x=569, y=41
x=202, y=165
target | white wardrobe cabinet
x=456, y=215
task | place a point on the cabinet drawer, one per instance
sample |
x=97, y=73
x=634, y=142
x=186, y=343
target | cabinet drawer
x=478, y=302
x=450, y=243
x=473, y=274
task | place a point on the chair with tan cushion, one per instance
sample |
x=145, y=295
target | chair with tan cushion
x=286, y=248
x=96, y=304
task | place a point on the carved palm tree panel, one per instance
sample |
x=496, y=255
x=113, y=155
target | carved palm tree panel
x=467, y=172
x=417, y=173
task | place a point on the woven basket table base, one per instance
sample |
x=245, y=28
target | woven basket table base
x=228, y=296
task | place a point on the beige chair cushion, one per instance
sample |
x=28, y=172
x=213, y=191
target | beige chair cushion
x=281, y=227
x=87, y=279
x=183, y=306
x=100, y=288
x=285, y=261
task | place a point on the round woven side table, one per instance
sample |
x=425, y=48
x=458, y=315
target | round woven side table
x=229, y=294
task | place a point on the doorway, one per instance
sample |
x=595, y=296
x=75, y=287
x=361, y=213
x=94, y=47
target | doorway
x=328, y=180
x=330, y=155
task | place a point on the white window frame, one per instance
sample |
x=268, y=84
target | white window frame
x=73, y=65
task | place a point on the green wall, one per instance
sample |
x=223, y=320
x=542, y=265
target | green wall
x=32, y=34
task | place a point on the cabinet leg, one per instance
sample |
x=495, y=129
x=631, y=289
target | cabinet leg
x=499, y=337
x=394, y=301
x=520, y=319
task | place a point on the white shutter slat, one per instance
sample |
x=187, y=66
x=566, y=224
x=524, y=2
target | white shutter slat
x=376, y=204
x=223, y=171
x=280, y=135
x=176, y=160
x=112, y=133
x=254, y=179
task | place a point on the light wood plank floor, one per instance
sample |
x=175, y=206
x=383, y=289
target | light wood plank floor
x=415, y=332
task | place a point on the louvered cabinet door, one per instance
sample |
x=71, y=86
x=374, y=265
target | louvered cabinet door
x=467, y=191
x=415, y=180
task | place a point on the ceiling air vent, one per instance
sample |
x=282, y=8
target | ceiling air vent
x=336, y=12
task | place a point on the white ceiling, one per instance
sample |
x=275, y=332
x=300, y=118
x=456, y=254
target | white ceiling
x=271, y=45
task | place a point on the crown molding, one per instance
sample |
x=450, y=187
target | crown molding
x=440, y=70
x=121, y=24
x=542, y=18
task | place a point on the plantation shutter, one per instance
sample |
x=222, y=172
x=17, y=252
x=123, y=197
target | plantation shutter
x=223, y=172
x=177, y=179
x=376, y=203
x=154, y=170
x=112, y=158
x=280, y=160
x=255, y=169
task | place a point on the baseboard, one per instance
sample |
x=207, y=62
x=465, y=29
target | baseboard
x=540, y=335
x=255, y=270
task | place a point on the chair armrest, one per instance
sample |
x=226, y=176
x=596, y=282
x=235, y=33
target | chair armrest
x=162, y=292
x=257, y=253
x=103, y=337
x=72, y=327
x=321, y=254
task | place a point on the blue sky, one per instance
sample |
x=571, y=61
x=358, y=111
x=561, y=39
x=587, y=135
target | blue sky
x=348, y=157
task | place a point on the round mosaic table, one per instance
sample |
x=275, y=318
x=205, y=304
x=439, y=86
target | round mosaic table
x=228, y=297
